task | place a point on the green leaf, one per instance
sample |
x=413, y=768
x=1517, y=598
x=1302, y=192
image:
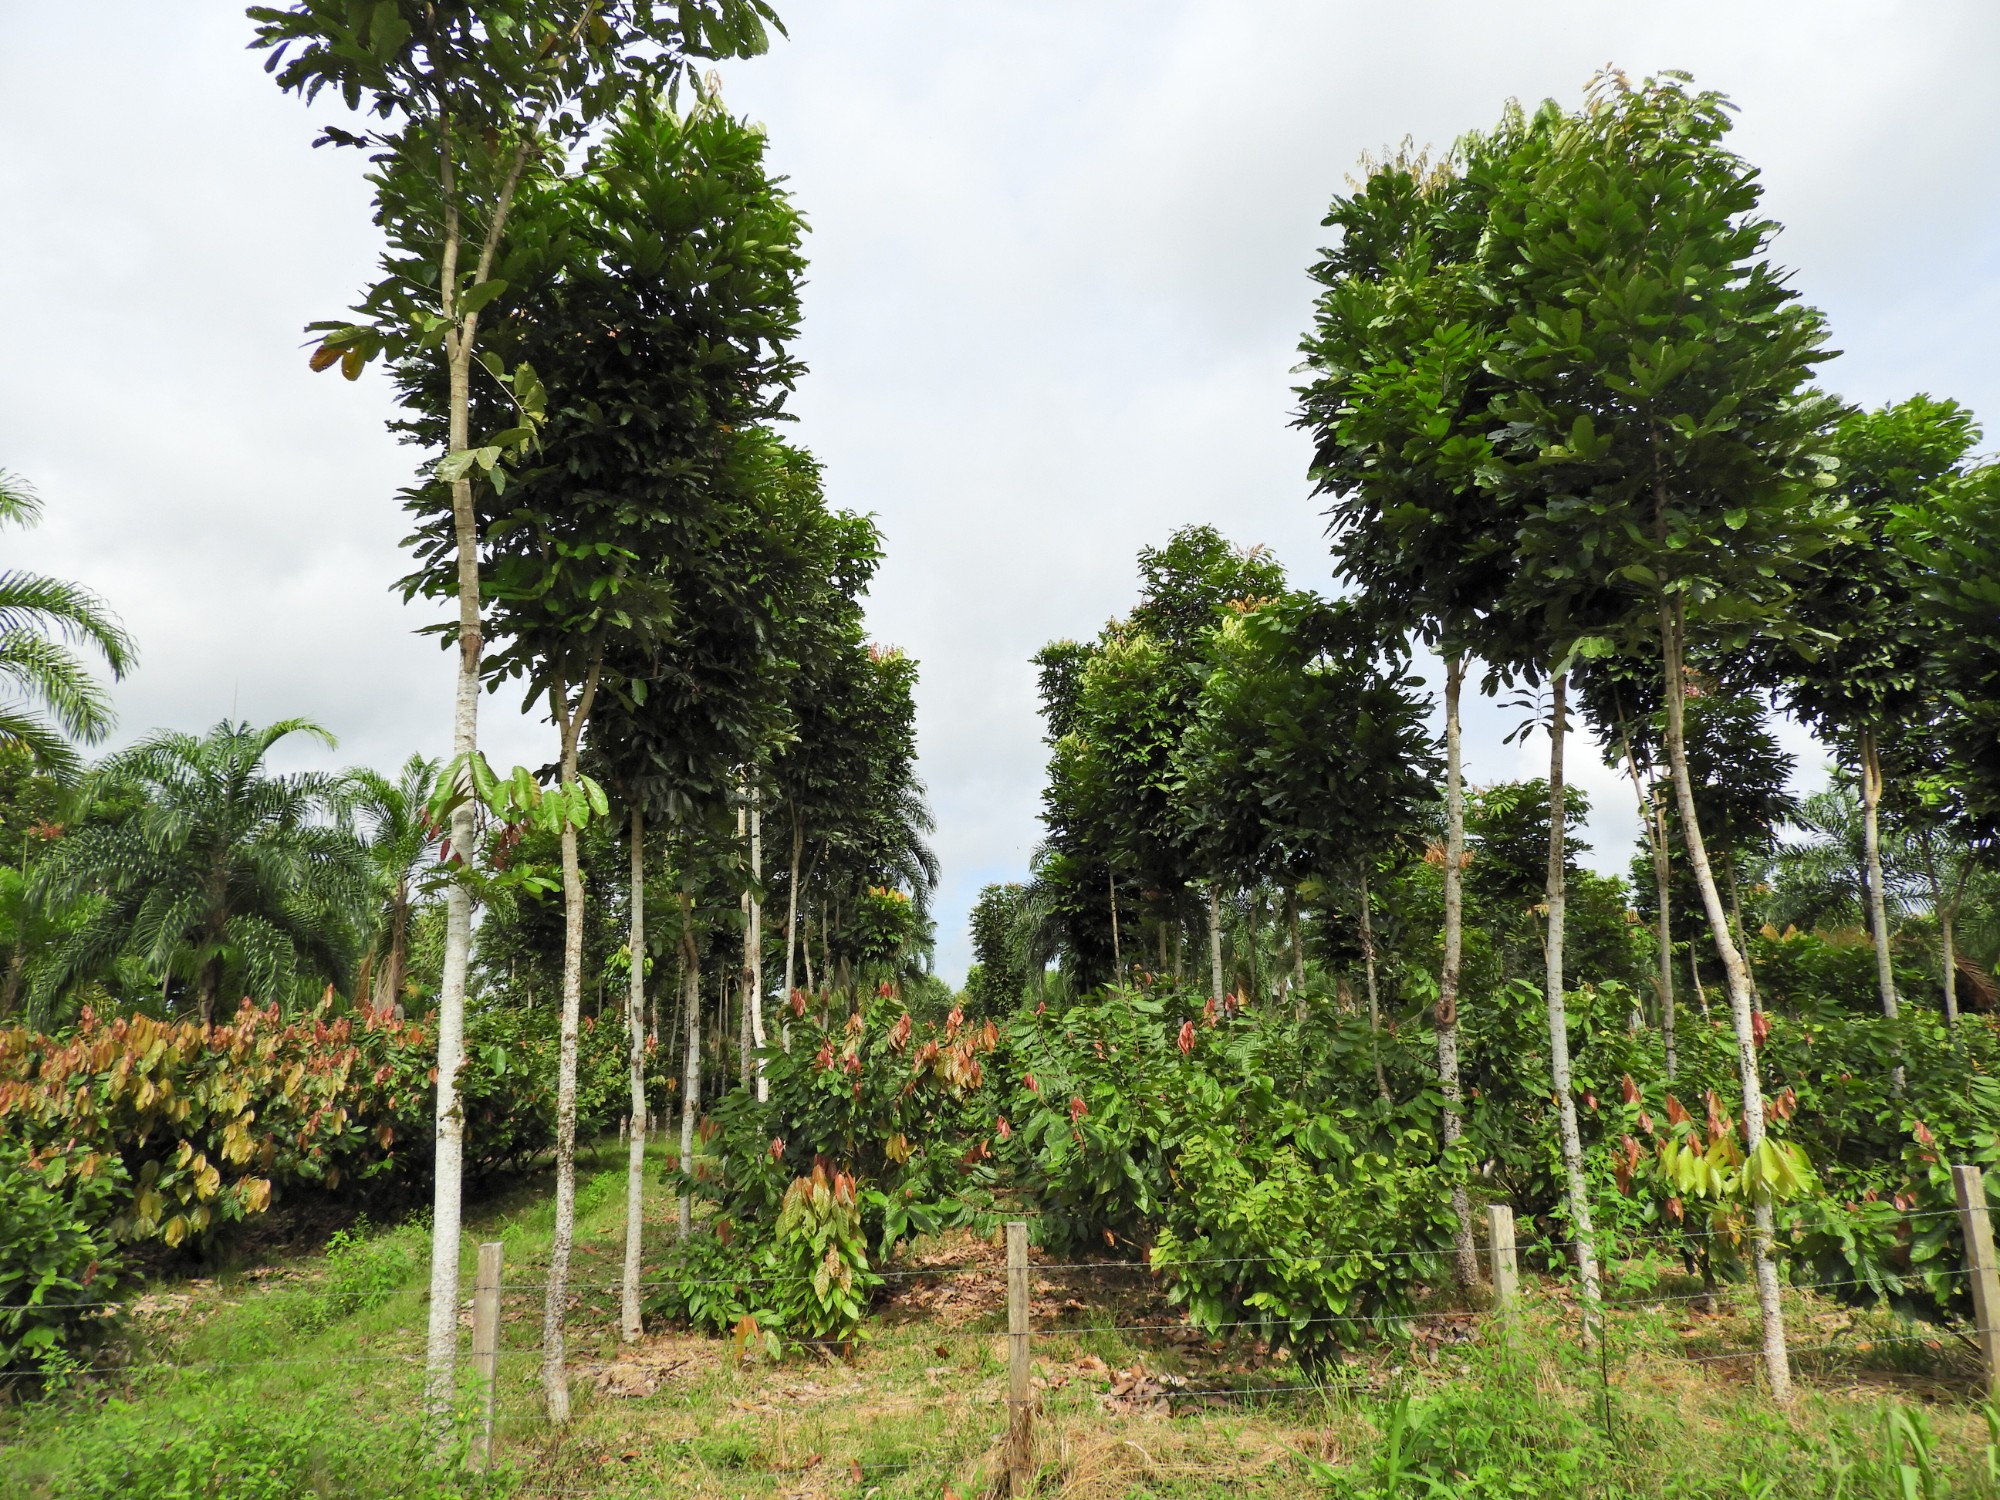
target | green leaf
x=478, y=296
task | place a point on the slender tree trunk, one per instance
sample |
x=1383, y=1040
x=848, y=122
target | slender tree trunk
x=1465, y=1258
x=1777, y=1365
x=448, y=1158
x=1652, y=819
x=1878, y=905
x=1742, y=928
x=1215, y=943
x=1664, y=937
x=792, y=908
x=448, y=1169
x=745, y=1042
x=635, y=1024
x=555, y=1376
x=1558, y=1009
x=1947, y=915
x=1694, y=978
x=1255, y=924
x=753, y=948
x=806, y=952
x=1374, y=998
x=206, y=986
x=1117, y=956
x=691, y=1057
x=1298, y=952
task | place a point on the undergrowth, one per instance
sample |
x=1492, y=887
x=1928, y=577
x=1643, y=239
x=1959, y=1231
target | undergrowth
x=304, y=1381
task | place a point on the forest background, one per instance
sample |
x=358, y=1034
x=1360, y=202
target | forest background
x=1105, y=250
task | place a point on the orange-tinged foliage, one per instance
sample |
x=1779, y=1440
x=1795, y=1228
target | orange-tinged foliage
x=208, y=1119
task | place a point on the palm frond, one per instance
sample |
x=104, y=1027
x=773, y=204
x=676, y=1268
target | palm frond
x=36, y=605
x=49, y=674
x=19, y=504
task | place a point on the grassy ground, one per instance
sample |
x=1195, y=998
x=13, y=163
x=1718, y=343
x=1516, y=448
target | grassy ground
x=301, y=1378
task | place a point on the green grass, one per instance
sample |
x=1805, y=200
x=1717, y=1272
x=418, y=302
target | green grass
x=302, y=1380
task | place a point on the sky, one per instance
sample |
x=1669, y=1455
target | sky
x=1059, y=254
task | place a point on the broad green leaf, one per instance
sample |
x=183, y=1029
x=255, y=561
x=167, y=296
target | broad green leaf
x=479, y=296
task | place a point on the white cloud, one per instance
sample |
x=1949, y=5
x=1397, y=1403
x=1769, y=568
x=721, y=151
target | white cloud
x=1058, y=283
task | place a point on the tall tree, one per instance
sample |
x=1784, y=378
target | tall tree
x=1309, y=754
x=1954, y=532
x=822, y=754
x=1742, y=778
x=664, y=286
x=474, y=100
x=1659, y=369
x=1397, y=405
x=1116, y=709
x=876, y=838
x=1862, y=675
x=1617, y=697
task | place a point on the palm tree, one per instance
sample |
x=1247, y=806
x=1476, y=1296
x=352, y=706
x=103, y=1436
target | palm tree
x=223, y=875
x=399, y=838
x=1822, y=879
x=53, y=698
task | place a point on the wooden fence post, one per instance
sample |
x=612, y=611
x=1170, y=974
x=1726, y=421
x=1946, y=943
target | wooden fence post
x=1500, y=1246
x=1977, y=1226
x=486, y=1346
x=1020, y=1398
x=1506, y=1269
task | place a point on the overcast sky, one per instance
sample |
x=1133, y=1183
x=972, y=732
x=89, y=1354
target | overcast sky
x=1058, y=283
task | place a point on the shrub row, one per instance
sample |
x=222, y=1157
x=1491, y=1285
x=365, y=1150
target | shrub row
x=130, y=1131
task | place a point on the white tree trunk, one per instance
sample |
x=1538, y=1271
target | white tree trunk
x=1777, y=1365
x=448, y=1163
x=1664, y=938
x=792, y=908
x=1117, y=956
x=1947, y=915
x=1298, y=952
x=1871, y=842
x=1374, y=998
x=753, y=946
x=1558, y=1010
x=1464, y=1256
x=1652, y=819
x=1741, y=928
x=806, y=953
x=691, y=1057
x=447, y=1189
x=555, y=1378
x=1215, y=943
x=635, y=1024
x=555, y=1375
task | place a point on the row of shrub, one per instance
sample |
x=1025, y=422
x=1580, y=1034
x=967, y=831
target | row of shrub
x=133, y=1136
x=1250, y=1155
